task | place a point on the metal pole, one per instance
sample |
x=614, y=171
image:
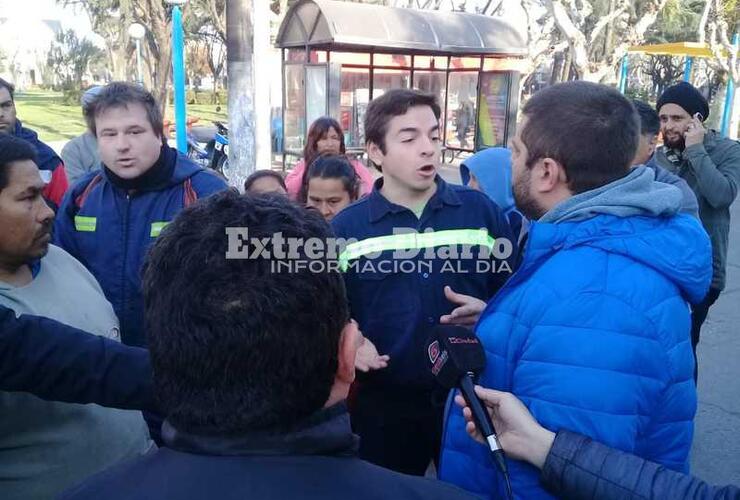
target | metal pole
x=178, y=76
x=729, y=97
x=138, y=62
x=688, y=63
x=623, y=74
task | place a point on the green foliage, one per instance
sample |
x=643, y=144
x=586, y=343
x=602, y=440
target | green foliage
x=69, y=58
x=203, y=97
x=677, y=22
x=71, y=97
x=641, y=94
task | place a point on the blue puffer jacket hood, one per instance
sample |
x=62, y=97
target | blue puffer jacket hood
x=664, y=245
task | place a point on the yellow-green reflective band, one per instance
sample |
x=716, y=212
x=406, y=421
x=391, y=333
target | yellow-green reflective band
x=157, y=228
x=86, y=224
x=412, y=241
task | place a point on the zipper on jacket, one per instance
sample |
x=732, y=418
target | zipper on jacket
x=122, y=319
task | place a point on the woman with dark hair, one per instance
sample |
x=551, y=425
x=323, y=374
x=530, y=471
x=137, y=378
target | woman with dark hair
x=265, y=181
x=325, y=136
x=331, y=185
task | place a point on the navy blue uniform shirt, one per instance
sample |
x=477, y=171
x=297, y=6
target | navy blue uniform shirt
x=398, y=299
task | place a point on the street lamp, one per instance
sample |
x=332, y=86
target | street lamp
x=178, y=74
x=137, y=32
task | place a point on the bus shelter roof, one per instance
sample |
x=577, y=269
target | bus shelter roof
x=335, y=25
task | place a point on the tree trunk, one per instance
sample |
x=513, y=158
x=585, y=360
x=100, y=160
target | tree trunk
x=566, y=70
x=703, y=21
x=609, y=35
x=163, y=70
x=240, y=72
x=557, y=68
x=734, y=132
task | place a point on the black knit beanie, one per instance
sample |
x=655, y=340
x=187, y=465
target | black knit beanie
x=687, y=96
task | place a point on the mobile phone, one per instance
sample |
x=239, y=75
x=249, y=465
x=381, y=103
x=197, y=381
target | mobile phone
x=699, y=117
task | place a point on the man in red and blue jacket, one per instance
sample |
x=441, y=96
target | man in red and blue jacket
x=49, y=163
x=111, y=217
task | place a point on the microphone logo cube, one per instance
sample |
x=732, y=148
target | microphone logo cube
x=433, y=351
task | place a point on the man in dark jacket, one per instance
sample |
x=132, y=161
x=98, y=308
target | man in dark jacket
x=49, y=163
x=252, y=366
x=576, y=467
x=710, y=164
x=60, y=363
x=649, y=130
x=418, y=242
x=111, y=217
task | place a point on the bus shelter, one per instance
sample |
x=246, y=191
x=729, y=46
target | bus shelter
x=337, y=56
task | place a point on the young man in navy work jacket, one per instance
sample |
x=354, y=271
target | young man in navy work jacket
x=410, y=239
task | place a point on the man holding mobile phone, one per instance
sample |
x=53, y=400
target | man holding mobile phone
x=710, y=164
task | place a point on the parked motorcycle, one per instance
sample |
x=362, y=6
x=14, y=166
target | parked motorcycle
x=220, y=158
x=201, y=144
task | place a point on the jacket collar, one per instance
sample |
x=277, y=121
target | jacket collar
x=326, y=432
x=380, y=205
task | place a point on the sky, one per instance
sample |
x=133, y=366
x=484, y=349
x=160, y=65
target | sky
x=26, y=10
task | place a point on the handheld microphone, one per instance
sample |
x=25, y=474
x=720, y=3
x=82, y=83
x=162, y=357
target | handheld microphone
x=455, y=357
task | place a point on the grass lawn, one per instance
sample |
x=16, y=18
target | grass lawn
x=44, y=112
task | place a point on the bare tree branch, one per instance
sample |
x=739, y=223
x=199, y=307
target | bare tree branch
x=574, y=36
x=702, y=30
x=604, y=21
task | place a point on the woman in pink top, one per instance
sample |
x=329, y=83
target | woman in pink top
x=325, y=136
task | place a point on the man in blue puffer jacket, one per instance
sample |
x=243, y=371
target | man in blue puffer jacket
x=109, y=219
x=592, y=331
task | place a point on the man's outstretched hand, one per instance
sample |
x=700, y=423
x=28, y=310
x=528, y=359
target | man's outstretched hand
x=468, y=311
x=368, y=359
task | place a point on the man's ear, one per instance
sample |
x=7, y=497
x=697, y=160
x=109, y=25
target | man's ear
x=548, y=175
x=375, y=154
x=349, y=341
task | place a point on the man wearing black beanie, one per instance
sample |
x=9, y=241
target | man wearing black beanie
x=710, y=164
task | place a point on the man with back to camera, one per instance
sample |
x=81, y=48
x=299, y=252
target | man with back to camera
x=252, y=378
x=50, y=165
x=592, y=331
x=710, y=164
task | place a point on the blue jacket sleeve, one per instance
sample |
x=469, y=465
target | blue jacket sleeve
x=57, y=362
x=206, y=183
x=581, y=469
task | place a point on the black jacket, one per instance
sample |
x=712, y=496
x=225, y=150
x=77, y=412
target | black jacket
x=57, y=362
x=316, y=461
x=579, y=468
